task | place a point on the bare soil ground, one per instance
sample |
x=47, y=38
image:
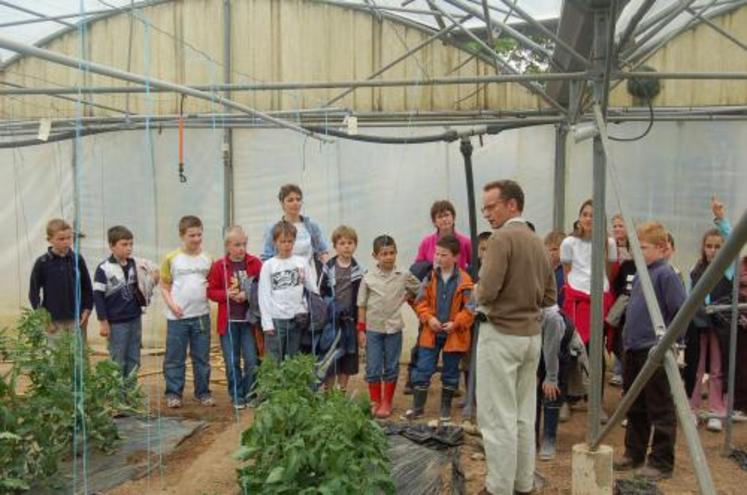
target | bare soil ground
x=202, y=464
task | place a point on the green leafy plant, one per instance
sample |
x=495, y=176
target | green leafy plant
x=307, y=442
x=53, y=399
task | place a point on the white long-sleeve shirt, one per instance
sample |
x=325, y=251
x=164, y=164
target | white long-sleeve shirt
x=281, y=284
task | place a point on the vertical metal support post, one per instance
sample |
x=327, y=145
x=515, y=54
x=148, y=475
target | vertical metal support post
x=732, y=360
x=227, y=148
x=466, y=149
x=558, y=214
x=598, y=237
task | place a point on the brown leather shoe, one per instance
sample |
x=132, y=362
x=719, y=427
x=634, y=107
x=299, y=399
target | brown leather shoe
x=626, y=463
x=653, y=473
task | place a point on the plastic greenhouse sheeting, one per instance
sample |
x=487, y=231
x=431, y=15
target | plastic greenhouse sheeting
x=144, y=444
x=670, y=176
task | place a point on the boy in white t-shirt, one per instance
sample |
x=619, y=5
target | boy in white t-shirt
x=184, y=289
x=281, y=294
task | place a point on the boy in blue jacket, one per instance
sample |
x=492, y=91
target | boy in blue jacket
x=654, y=408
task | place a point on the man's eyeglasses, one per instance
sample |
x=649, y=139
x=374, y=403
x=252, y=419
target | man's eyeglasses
x=489, y=207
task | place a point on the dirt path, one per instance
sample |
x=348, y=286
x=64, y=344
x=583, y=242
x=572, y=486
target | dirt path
x=203, y=464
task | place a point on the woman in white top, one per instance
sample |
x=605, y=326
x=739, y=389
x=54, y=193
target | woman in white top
x=310, y=243
x=575, y=255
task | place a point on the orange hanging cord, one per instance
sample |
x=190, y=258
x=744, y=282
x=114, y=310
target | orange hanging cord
x=182, y=177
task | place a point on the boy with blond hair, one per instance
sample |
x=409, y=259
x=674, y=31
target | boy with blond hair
x=184, y=274
x=61, y=275
x=230, y=283
x=653, y=409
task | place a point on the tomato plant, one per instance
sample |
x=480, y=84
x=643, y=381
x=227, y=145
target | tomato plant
x=308, y=442
x=50, y=395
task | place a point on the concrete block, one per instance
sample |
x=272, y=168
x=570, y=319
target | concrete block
x=591, y=470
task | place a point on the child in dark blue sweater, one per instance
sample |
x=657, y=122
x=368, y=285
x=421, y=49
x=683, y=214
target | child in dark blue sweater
x=60, y=282
x=654, y=408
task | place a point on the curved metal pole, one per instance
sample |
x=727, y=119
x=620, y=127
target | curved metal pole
x=105, y=70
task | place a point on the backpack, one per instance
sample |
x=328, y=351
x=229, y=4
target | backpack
x=566, y=355
x=318, y=311
x=250, y=286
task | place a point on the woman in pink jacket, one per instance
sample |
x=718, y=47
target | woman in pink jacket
x=443, y=216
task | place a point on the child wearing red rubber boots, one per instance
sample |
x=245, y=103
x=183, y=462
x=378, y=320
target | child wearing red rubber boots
x=381, y=295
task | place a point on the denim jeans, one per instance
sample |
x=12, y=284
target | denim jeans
x=428, y=360
x=286, y=341
x=180, y=334
x=124, y=344
x=382, y=356
x=237, y=344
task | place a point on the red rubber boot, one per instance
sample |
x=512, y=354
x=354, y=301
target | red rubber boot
x=386, y=403
x=374, y=393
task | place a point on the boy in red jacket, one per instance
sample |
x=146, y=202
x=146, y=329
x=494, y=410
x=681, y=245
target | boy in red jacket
x=230, y=285
x=445, y=310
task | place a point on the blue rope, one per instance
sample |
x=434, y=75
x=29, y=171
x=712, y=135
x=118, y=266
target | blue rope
x=79, y=428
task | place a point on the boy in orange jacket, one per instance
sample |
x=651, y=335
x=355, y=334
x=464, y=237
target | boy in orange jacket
x=446, y=311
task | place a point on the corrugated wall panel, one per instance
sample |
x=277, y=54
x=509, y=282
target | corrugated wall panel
x=701, y=49
x=272, y=40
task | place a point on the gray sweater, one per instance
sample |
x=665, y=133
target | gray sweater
x=553, y=328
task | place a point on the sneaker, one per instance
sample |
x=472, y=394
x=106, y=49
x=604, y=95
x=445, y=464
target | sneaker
x=565, y=413
x=173, y=402
x=547, y=450
x=239, y=404
x=738, y=416
x=626, y=463
x=207, y=401
x=714, y=424
x=652, y=473
x=616, y=380
x=603, y=418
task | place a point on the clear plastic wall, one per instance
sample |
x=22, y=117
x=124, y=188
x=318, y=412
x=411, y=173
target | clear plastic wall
x=131, y=178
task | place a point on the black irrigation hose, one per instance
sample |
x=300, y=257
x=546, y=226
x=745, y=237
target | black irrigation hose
x=447, y=136
x=648, y=129
x=62, y=136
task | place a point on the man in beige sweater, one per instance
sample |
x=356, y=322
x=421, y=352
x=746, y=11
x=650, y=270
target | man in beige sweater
x=516, y=282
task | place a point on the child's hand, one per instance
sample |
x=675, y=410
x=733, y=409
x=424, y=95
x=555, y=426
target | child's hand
x=240, y=297
x=104, y=328
x=361, y=339
x=233, y=293
x=550, y=390
x=718, y=208
x=84, y=318
x=448, y=327
x=270, y=332
x=435, y=324
x=177, y=310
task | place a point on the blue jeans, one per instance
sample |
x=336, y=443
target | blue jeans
x=427, y=361
x=180, y=334
x=237, y=344
x=124, y=344
x=382, y=356
x=286, y=342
